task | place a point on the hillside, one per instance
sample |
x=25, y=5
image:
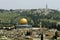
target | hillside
x=34, y=16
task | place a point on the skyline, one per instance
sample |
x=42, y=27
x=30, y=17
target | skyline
x=29, y=4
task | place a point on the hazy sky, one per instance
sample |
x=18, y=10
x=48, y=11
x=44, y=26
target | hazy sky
x=27, y=4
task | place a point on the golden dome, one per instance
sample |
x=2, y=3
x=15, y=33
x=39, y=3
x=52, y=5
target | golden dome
x=23, y=21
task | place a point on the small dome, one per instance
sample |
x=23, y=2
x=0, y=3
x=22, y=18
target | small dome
x=23, y=21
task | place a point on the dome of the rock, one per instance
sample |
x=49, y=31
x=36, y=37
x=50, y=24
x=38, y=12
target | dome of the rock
x=23, y=21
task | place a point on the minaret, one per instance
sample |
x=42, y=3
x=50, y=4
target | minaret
x=40, y=25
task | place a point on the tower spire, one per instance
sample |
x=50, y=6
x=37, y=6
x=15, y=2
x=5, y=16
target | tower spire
x=46, y=6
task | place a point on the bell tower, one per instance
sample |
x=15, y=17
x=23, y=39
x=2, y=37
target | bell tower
x=46, y=6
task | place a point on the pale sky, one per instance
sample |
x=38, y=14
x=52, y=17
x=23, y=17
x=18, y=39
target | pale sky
x=28, y=4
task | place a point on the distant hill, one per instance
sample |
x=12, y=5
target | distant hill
x=34, y=16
